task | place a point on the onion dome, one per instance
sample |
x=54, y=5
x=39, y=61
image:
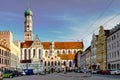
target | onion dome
x=52, y=43
x=28, y=12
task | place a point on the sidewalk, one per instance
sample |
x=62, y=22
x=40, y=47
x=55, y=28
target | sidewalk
x=73, y=74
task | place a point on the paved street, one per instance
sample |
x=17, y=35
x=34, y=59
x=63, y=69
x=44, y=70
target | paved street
x=68, y=76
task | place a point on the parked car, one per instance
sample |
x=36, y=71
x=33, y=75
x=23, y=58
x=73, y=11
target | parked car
x=42, y=73
x=115, y=72
x=8, y=74
x=105, y=72
x=1, y=75
x=94, y=72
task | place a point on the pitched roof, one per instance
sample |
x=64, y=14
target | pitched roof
x=46, y=45
x=26, y=44
x=68, y=45
x=58, y=45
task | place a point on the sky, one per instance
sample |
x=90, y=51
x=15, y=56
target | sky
x=60, y=20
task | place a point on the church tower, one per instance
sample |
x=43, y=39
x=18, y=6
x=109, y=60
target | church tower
x=28, y=35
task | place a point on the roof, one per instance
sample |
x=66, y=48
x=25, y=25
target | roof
x=28, y=12
x=26, y=44
x=68, y=45
x=57, y=45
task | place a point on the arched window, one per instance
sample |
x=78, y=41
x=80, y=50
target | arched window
x=48, y=63
x=69, y=52
x=74, y=51
x=58, y=52
x=58, y=63
x=46, y=52
x=64, y=63
x=55, y=63
x=29, y=54
x=63, y=51
x=70, y=64
x=33, y=52
x=25, y=52
x=52, y=63
x=45, y=63
x=39, y=53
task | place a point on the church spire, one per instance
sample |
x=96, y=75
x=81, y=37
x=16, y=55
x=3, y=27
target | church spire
x=28, y=35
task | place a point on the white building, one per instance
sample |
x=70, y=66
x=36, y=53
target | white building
x=49, y=56
x=94, y=51
x=113, y=48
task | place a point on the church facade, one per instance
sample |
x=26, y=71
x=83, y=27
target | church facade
x=46, y=56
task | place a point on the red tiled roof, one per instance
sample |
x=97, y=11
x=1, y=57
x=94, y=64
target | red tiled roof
x=46, y=45
x=58, y=45
x=26, y=44
x=68, y=45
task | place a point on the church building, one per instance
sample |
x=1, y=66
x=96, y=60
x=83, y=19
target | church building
x=45, y=56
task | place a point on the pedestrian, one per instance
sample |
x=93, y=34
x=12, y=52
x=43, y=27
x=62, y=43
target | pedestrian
x=85, y=72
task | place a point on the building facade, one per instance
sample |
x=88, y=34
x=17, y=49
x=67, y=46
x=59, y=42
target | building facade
x=113, y=48
x=94, y=52
x=101, y=49
x=88, y=58
x=14, y=49
x=4, y=55
x=49, y=56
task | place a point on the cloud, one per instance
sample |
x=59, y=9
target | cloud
x=57, y=32
x=11, y=14
x=85, y=33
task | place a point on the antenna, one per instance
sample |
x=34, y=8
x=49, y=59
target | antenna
x=28, y=4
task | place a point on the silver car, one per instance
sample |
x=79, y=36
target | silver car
x=115, y=72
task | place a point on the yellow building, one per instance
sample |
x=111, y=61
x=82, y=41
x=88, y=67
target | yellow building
x=101, y=48
x=14, y=49
x=4, y=55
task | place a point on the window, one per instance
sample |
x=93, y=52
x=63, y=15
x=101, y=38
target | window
x=29, y=54
x=52, y=63
x=118, y=53
x=25, y=56
x=33, y=52
x=39, y=53
x=69, y=51
x=46, y=51
x=45, y=63
x=48, y=63
x=57, y=52
x=63, y=51
x=58, y=63
x=74, y=51
x=55, y=63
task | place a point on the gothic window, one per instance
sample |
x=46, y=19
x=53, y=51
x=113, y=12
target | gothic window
x=46, y=51
x=33, y=52
x=52, y=63
x=74, y=51
x=64, y=63
x=63, y=51
x=39, y=53
x=57, y=52
x=58, y=63
x=70, y=64
x=69, y=51
x=29, y=54
x=25, y=56
x=45, y=63
x=48, y=63
x=55, y=63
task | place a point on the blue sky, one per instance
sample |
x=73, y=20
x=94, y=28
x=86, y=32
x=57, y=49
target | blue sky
x=59, y=20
